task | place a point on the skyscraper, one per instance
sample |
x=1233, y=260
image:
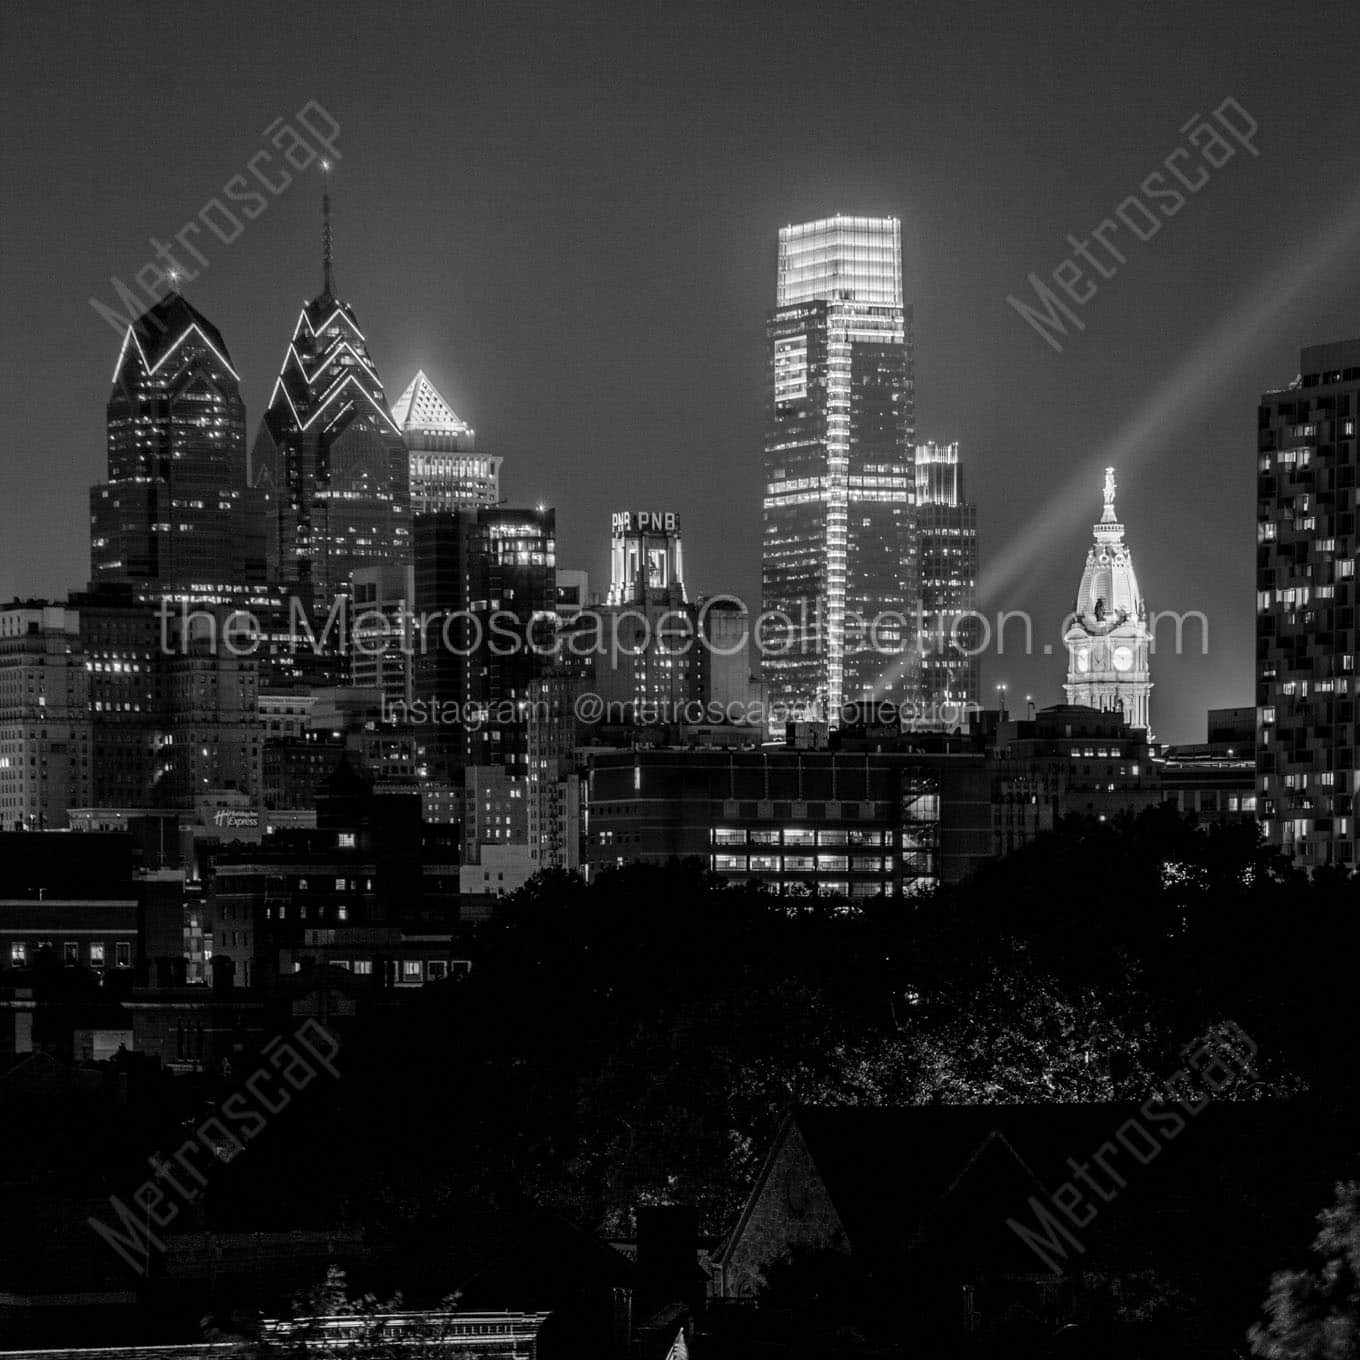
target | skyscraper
x=1107, y=634
x=176, y=516
x=487, y=578
x=838, y=564
x=646, y=659
x=447, y=472
x=948, y=549
x=329, y=453
x=1308, y=744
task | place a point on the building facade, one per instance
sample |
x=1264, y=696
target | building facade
x=447, y=472
x=1107, y=635
x=381, y=647
x=1215, y=780
x=947, y=544
x=839, y=568
x=642, y=640
x=45, y=750
x=487, y=578
x=857, y=824
x=1067, y=760
x=1308, y=744
x=173, y=699
x=176, y=515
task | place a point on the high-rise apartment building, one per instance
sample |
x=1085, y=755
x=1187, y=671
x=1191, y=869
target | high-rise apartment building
x=947, y=544
x=44, y=717
x=447, y=472
x=176, y=516
x=839, y=568
x=1308, y=743
x=329, y=454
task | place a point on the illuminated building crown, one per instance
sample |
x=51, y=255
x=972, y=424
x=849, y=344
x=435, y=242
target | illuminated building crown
x=328, y=379
x=1109, y=592
x=162, y=331
x=421, y=407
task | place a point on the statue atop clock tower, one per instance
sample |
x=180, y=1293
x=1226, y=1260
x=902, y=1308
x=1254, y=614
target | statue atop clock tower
x=1107, y=633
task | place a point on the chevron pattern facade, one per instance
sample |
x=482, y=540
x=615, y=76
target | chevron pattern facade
x=331, y=458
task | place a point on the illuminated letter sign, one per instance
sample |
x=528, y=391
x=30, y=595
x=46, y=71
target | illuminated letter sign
x=645, y=522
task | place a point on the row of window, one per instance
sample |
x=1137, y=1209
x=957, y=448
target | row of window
x=96, y=953
x=800, y=863
x=725, y=835
x=412, y=970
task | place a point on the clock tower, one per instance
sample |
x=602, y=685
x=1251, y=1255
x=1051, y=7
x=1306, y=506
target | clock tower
x=1107, y=633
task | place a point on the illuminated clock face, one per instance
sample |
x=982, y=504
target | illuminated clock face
x=1123, y=659
x=1083, y=660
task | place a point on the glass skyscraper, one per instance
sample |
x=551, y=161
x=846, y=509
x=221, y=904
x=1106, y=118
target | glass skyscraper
x=175, y=516
x=330, y=455
x=946, y=527
x=839, y=570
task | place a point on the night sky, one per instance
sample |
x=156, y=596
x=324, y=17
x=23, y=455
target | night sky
x=566, y=214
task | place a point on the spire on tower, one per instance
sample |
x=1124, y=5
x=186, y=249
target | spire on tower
x=327, y=260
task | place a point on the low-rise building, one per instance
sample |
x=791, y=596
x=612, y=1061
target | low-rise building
x=854, y=823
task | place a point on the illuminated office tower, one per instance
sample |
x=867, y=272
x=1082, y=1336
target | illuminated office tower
x=1308, y=740
x=447, y=473
x=176, y=516
x=839, y=567
x=329, y=453
x=947, y=544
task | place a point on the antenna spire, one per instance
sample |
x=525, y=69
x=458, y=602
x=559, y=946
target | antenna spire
x=327, y=257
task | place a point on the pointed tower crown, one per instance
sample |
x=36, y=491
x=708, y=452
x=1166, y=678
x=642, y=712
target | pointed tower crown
x=421, y=407
x=163, y=328
x=1109, y=588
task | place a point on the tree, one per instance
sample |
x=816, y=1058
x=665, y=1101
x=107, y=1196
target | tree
x=1314, y=1314
x=326, y=1321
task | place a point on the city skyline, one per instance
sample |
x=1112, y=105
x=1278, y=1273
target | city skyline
x=486, y=298
x=643, y=651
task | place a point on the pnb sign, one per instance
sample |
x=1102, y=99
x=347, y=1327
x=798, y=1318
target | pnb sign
x=645, y=522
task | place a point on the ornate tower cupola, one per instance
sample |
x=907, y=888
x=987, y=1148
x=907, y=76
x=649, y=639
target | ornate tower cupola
x=1107, y=635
